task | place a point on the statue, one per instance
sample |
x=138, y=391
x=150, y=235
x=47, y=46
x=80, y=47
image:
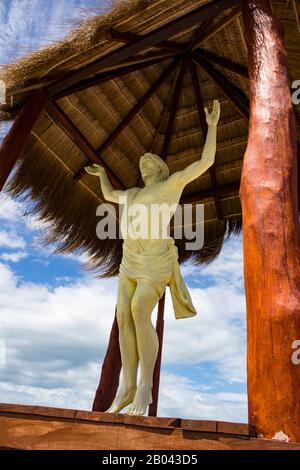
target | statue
x=147, y=267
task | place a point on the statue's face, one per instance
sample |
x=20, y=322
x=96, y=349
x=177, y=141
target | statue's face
x=148, y=167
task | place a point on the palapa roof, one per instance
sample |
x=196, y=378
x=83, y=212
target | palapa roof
x=130, y=81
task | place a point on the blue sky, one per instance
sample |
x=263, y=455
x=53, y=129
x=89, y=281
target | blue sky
x=55, y=318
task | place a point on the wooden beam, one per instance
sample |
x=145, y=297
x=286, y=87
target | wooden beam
x=110, y=373
x=156, y=373
x=223, y=62
x=150, y=39
x=14, y=142
x=59, y=118
x=200, y=33
x=271, y=232
x=134, y=111
x=203, y=125
x=295, y=6
x=167, y=105
x=218, y=26
x=210, y=194
x=173, y=110
x=234, y=94
x=111, y=75
x=128, y=37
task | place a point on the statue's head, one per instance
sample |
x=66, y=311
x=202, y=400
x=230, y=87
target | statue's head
x=153, y=168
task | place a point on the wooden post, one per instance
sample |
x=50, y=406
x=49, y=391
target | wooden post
x=110, y=373
x=271, y=232
x=156, y=373
x=15, y=140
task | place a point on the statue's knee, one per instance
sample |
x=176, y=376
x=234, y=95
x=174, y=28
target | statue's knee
x=123, y=317
x=137, y=307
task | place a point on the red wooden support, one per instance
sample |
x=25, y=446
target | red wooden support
x=271, y=232
x=110, y=373
x=156, y=373
x=15, y=140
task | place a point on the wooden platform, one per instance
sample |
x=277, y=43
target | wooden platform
x=37, y=427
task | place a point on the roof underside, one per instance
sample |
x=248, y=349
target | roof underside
x=133, y=81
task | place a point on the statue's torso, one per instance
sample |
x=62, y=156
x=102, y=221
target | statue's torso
x=155, y=206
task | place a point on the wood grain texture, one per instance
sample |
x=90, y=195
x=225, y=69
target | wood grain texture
x=43, y=428
x=14, y=142
x=110, y=373
x=271, y=231
x=160, y=323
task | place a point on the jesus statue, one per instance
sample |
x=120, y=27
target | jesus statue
x=148, y=266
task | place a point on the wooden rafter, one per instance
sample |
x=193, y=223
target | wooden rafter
x=295, y=6
x=150, y=39
x=173, y=110
x=210, y=194
x=134, y=111
x=223, y=62
x=13, y=144
x=110, y=75
x=199, y=33
x=166, y=107
x=203, y=124
x=218, y=26
x=127, y=37
x=58, y=116
x=234, y=94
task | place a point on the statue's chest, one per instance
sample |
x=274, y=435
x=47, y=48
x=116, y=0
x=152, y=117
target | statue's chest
x=153, y=196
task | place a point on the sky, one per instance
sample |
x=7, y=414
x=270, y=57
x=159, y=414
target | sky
x=55, y=318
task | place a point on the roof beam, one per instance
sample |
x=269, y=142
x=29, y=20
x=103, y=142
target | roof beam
x=143, y=62
x=200, y=32
x=15, y=140
x=150, y=39
x=210, y=194
x=59, y=118
x=234, y=94
x=128, y=37
x=218, y=27
x=203, y=124
x=223, y=62
x=134, y=111
x=174, y=106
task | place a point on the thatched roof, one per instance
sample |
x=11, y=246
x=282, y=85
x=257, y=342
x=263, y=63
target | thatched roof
x=131, y=81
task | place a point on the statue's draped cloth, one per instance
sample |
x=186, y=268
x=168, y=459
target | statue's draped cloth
x=159, y=269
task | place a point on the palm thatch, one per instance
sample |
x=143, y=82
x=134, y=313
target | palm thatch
x=111, y=107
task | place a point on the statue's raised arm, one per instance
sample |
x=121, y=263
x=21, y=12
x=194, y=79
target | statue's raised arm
x=196, y=169
x=109, y=192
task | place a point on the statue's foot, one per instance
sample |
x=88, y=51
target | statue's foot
x=123, y=398
x=142, y=399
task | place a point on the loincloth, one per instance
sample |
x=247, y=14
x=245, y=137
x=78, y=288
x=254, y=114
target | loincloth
x=160, y=270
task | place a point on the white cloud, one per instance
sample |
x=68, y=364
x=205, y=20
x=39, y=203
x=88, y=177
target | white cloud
x=11, y=240
x=14, y=257
x=9, y=208
x=184, y=398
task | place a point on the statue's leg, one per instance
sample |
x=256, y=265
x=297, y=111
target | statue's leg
x=144, y=300
x=128, y=346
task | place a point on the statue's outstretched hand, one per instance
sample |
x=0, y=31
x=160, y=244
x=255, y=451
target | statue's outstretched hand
x=94, y=169
x=213, y=117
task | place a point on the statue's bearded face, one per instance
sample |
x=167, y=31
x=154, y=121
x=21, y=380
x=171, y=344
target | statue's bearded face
x=148, y=167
